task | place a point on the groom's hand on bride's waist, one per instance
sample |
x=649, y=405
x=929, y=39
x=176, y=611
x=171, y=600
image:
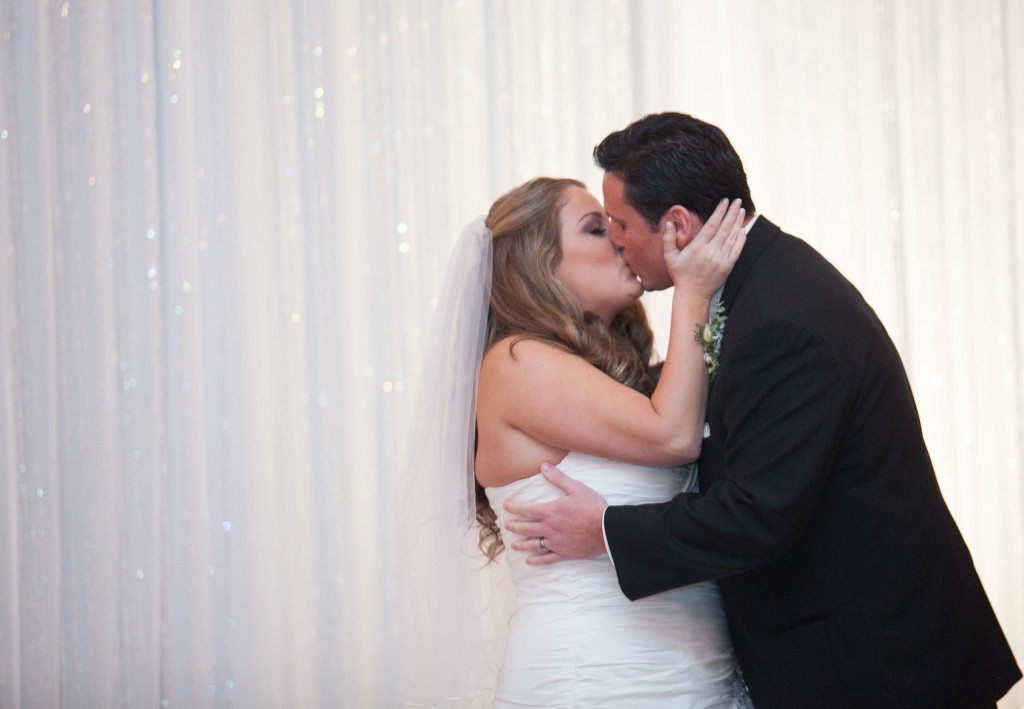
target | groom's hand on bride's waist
x=567, y=528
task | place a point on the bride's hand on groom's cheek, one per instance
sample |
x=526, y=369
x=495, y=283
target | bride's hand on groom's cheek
x=570, y=527
x=703, y=261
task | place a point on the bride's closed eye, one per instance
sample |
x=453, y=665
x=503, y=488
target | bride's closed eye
x=596, y=227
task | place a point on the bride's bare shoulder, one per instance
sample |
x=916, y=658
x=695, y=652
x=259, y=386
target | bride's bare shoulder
x=516, y=353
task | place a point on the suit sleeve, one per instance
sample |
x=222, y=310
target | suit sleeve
x=780, y=426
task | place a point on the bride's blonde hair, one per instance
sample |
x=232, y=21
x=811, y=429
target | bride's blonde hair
x=528, y=302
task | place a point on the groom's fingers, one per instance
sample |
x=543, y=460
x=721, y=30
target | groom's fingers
x=526, y=528
x=551, y=557
x=530, y=544
x=559, y=479
x=525, y=510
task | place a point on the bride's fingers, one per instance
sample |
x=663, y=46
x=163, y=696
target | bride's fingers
x=669, y=236
x=731, y=252
x=734, y=224
x=707, y=232
x=737, y=247
x=736, y=241
x=731, y=222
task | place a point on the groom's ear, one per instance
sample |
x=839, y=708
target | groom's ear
x=687, y=224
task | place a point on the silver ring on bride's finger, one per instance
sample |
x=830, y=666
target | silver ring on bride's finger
x=542, y=546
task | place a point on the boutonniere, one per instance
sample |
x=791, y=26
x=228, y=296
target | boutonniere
x=710, y=336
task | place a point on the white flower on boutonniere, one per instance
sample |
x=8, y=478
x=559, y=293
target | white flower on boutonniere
x=710, y=336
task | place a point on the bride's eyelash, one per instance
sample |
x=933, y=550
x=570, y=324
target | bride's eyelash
x=599, y=231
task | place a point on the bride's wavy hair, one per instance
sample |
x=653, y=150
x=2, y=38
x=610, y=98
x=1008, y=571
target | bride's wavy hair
x=528, y=302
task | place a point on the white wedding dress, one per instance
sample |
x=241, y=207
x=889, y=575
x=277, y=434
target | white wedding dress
x=575, y=641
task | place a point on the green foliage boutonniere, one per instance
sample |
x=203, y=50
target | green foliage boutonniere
x=710, y=335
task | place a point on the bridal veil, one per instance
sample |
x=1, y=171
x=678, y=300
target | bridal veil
x=453, y=605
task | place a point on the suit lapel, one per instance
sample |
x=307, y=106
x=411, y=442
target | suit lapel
x=761, y=235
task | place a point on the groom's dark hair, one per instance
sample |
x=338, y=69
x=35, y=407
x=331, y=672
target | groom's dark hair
x=671, y=158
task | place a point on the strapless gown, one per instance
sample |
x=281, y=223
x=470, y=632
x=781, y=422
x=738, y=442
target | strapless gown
x=575, y=641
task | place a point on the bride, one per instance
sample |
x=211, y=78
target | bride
x=563, y=350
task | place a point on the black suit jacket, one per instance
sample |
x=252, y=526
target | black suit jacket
x=845, y=579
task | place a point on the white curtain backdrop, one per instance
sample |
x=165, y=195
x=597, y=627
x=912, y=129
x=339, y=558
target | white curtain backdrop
x=222, y=223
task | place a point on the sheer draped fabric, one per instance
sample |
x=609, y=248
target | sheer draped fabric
x=222, y=226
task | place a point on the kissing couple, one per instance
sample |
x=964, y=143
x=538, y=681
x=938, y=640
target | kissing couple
x=754, y=521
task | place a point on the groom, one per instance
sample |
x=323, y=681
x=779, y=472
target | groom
x=845, y=579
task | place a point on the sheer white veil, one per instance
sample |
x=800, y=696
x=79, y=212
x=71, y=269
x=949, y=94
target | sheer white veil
x=453, y=605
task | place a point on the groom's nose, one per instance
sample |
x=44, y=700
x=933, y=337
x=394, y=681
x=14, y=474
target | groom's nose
x=615, y=236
